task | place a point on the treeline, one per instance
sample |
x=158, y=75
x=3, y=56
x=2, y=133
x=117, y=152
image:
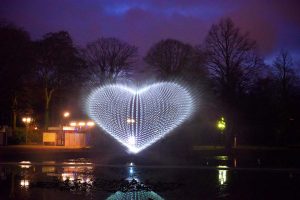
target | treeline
x=259, y=102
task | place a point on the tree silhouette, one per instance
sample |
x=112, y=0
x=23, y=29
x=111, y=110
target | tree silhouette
x=285, y=84
x=171, y=57
x=231, y=59
x=284, y=74
x=108, y=59
x=16, y=61
x=233, y=65
x=58, y=64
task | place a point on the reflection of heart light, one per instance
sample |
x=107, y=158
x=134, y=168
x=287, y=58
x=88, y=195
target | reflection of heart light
x=139, y=117
x=135, y=195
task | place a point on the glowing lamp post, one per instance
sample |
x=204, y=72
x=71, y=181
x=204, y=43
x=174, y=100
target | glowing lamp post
x=66, y=114
x=221, y=124
x=81, y=124
x=90, y=124
x=73, y=124
x=26, y=121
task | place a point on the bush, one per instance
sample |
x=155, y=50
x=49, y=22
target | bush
x=19, y=137
x=34, y=137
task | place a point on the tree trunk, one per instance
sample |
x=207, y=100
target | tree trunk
x=48, y=95
x=14, y=126
x=46, y=116
x=14, y=114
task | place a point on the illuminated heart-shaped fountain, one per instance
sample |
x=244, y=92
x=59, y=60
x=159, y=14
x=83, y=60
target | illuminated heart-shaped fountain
x=139, y=117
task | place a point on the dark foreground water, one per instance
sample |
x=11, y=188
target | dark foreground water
x=214, y=177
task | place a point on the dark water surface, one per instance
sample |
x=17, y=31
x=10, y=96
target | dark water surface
x=211, y=177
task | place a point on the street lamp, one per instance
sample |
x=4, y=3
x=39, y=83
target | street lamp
x=26, y=121
x=81, y=124
x=90, y=124
x=73, y=124
x=66, y=114
x=221, y=124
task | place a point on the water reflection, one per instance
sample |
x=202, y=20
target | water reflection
x=24, y=183
x=25, y=164
x=48, y=169
x=224, y=158
x=79, y=177
x=222, y=176
x=71, y=174
x=234, y=162
x=134, y=189
x=132, y=172
x=135, y=195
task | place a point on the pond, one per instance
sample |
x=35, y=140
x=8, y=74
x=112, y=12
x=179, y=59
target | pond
x=214, y=177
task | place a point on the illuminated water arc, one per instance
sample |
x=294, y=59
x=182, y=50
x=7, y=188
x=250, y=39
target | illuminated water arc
x=139, y=117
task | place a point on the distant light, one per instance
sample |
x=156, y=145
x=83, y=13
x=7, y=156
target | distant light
x=66, y=114
x=66, y=176
x=73, y=124
x=68, y=128
x=222, y=166
x=81, y=123
x=25, y=164
x=36, y=128
x=221, y=158
x=90, y=124
x=24, y=183
x=81, y=180
x=88, y=180
x=26, y=120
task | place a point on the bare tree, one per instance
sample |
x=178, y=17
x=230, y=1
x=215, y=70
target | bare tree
x=231, y=58
x=284, y=73
x=233, y=65
x=58, y=64
x=285, y=84
x=171, y=57
x=108, y=59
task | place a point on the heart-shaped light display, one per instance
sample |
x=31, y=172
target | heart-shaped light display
x=139, y=117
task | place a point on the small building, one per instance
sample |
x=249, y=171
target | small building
x=66, y=136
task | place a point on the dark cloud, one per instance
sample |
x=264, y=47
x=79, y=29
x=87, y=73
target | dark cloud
x=274, y=24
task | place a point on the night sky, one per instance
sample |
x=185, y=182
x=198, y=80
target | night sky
x=274, y=24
